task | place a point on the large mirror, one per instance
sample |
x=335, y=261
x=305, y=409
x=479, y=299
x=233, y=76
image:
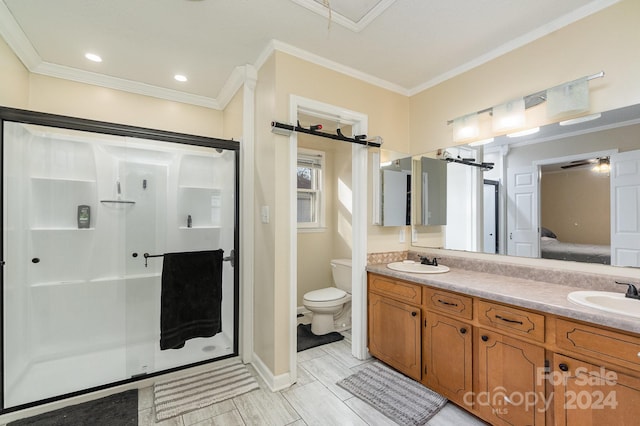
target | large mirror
x=395, y=189
x=570, y=192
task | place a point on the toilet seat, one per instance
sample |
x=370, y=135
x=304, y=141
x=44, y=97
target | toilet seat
x=325, y=295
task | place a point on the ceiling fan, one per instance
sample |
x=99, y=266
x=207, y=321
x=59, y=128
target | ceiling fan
x=587, y=162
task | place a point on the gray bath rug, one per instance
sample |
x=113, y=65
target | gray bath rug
x=398, y=397
x=179, y=396
x=120, y=409
x=307, y=340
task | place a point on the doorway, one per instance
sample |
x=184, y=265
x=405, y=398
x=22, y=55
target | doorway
x=354, y=197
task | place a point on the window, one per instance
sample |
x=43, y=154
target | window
x=310, y=183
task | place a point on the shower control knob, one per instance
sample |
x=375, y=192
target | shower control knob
x=35, y=260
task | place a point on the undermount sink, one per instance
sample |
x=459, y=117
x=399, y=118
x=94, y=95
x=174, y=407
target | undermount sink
x=417, y=268
x=606, y=301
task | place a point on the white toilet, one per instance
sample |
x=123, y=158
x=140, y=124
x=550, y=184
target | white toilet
x=331, y=305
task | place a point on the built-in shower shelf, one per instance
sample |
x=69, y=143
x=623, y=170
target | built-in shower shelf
x=211, y=188
x=125, y=277
x=62, y=179
x=201, y=227
x=117, y=201
x=62, y=229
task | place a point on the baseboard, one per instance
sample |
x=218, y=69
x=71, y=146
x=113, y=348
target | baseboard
x=275, y=383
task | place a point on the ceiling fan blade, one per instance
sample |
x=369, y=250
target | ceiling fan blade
x=580, y=164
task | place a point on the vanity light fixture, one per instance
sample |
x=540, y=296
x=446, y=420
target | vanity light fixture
x=93, y=57
x=181, y=78
x=481, y=142
x=466, y=127
x=579, y=120
x=568, y=98
x=509, y=115
x=524, y=132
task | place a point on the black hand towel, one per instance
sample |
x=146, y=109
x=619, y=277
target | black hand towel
x=191, y=297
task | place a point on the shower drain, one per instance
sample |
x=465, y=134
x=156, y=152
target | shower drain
x=209, y=348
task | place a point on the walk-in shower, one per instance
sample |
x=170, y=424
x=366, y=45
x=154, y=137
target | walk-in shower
x=82, y=204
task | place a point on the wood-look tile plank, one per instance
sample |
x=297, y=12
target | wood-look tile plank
x=319, y=406
x=230, y=418
x=147, y=417
x=452, y=415
x=263, y=407
x=329, y=370
x=368, y=413
x=205, y=413
x=342, y=351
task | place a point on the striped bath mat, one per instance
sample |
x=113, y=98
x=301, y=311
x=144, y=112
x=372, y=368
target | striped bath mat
x=398, y=397
x=176, y=397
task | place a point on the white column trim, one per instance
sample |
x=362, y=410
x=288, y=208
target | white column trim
x=247, y=208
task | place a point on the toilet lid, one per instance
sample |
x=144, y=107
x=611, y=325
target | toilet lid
x=325, y=294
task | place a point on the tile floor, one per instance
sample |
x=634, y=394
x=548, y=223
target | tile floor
x=313, y=400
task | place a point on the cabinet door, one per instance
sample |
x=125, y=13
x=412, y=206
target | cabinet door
x=447, y=358
x=394, y=334
x=511, y=385
x=589, y=395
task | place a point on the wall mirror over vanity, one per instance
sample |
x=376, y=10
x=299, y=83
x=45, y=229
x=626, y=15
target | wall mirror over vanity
x=571, y=192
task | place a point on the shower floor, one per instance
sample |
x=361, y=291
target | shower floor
x=60, y=376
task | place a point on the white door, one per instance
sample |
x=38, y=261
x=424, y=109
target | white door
x=625, y=209
x=523, y=238
x=489, y=218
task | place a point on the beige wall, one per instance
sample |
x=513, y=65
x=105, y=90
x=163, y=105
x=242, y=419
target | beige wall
x=316, y=249
x=21, y=89
x=604, y=41
x=232, y=117
x=281, y=77
x=14, y=79
x=575, y=206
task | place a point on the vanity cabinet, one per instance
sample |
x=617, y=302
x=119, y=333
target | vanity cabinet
x=507, y=365
x=394, y=321
x=447, y=357
x=511, y=385
x=587, y=394
x=596, y=375
x=447, y=353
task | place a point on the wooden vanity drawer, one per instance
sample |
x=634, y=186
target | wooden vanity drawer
x=612, y=346
x=512, y=319
x=445, y=301
x=396, y=289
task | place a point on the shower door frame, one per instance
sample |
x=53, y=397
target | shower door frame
x=101, y=127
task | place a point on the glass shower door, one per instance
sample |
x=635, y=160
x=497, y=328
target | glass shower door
x=82, y=303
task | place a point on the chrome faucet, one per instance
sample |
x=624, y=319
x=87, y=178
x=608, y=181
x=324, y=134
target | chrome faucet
x=632, y=290
x=425, y=261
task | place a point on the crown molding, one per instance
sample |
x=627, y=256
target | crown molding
x=17, y=39
x=327, y=63
x=516, y=43
x=74, y=74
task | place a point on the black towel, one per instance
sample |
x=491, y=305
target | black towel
x=191, y=297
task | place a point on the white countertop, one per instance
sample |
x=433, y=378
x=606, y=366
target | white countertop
x=536, y=295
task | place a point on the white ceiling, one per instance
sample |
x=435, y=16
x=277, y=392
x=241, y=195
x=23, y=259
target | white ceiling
x=406, y=46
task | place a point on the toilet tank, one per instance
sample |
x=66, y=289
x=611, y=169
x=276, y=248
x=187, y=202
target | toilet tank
x=341, y=271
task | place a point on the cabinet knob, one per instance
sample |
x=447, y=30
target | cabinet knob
x=463, y=330
x=35, y=260
x=413, y=314
x=484, y=338
x=563, y=367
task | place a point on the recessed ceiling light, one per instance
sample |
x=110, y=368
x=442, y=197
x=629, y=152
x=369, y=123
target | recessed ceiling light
x=93, y=57
x=180, y=78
